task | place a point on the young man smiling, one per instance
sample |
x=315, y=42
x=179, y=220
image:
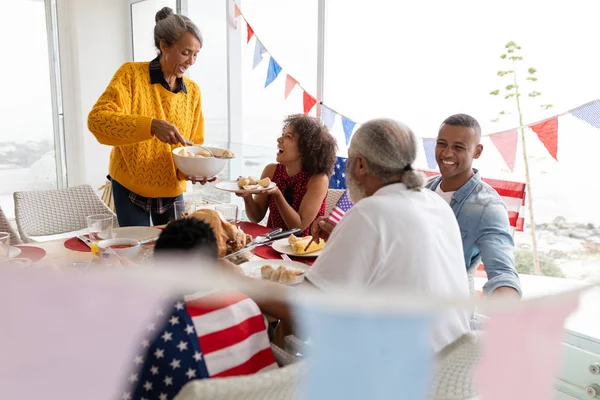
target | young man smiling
x=481, y=213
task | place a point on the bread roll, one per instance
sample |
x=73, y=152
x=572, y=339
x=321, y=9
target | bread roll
x=264, y=182
x=277, y=273
x=266, y=271
x=287, y=276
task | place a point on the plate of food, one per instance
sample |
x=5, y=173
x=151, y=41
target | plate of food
x=281, y=271
x=294, y=246
x=246, y=185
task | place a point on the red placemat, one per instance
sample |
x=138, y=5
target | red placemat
x=76, y=245
x=253, y=229
x=267, y=252
x=31, y=253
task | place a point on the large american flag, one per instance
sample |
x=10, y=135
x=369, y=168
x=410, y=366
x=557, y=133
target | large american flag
x=201, y=336
x=511, y=193
x=342, y=206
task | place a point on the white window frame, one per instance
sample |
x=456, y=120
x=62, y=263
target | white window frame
x=60, y=154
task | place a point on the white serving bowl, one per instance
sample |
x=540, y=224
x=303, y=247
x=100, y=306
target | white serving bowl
x=129, y=252
x=200, y=167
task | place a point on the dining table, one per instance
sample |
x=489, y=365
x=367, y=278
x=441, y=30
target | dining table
x=55, y=254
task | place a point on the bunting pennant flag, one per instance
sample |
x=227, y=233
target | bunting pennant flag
x=328, y=116
x=289, y=85
x=236, y=11
x=589, y=113
x=272, y=72
x=429, y=147
x=338, y=179
x=88, y=327
x=527, y=357
x=259, y=50
x=308, y=102
x=338, y=354
x=547, y=132
x=506, y=143
x=250, y=33
x=348, y=126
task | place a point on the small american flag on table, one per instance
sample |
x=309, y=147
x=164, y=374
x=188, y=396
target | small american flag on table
x=341, y=208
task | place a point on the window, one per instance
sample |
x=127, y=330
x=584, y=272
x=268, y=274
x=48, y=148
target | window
x=401, y=60
x=288, y=31
x=31, y=109
x=142, y=26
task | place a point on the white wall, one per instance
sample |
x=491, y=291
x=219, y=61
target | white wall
x=93, y=38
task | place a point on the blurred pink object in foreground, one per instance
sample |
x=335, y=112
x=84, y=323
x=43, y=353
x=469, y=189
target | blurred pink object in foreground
x=68, y=337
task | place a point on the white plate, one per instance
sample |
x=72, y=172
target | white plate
x=13, y=252
x=135, y=232
x=252, y=268
x=283, y=246
x=232, y=186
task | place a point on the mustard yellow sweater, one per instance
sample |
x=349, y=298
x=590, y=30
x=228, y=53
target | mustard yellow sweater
x=122, y=117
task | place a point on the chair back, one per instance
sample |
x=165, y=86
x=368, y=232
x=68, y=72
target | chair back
x=333, y=196
x=5, y=226
x=278, y=384
x=56, y=211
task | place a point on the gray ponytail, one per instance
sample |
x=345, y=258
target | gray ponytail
x=413, y=180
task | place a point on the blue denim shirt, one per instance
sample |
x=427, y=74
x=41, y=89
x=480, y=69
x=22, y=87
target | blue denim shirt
x=485, y=230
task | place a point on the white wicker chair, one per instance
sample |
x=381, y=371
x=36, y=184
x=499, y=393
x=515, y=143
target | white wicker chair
x=333, y=196
x=454, y=375
x=278, y=384
x=52, y=212
x=5, y=226
x=455, y=366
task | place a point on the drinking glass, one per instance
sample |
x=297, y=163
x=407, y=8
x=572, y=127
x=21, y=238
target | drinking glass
x=4, y=245
x=229, y=212
x=183, y=208
x=100, y=227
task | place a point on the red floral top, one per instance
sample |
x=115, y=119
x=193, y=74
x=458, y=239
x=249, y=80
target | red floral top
x=293, y=189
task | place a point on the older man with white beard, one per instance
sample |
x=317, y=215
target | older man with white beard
x=396, y=236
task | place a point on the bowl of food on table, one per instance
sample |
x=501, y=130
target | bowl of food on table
x=122, y=247
x=201, y=161
x=299, y=246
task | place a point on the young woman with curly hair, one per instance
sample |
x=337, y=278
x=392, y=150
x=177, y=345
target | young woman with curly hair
x=305, y=161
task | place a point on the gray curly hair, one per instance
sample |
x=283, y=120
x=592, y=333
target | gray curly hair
x=390, y=148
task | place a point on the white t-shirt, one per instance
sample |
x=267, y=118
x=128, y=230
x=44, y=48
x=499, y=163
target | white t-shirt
x=404, y=240
x=445, y=195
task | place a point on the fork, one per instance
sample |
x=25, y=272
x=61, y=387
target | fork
x=286, y=257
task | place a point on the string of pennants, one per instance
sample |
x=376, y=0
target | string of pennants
x=505, y=141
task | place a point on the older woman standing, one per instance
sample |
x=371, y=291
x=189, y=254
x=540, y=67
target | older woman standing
x=147, y=110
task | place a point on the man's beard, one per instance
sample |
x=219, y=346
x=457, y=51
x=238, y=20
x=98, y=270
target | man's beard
x=356, y=191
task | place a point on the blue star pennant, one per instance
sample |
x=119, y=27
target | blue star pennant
x=272, y=72
x=328, y=116
x=401, y=358
x=589, y=113
x=348, y=126
x=429, y=147
x=259, y=50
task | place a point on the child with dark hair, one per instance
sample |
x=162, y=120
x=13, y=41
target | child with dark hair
x=199, y=336
x=187, y=235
